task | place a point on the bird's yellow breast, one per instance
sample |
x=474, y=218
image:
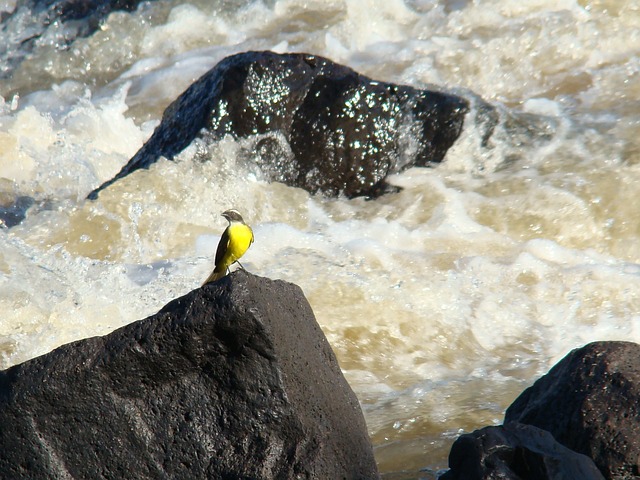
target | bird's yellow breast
x=240, y=238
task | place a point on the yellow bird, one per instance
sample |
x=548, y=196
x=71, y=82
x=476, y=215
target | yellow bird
x=235, y=241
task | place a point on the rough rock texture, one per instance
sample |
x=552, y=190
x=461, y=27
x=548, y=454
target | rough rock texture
x=50, y=22
x=516, y=451
x=319, y=125
x=590, y=402
x=234, y=380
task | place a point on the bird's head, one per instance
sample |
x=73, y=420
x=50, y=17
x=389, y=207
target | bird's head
x=233, y=216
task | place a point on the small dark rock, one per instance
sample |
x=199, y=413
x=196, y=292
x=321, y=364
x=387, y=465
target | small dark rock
x=14, y=210
x=61, y=21
x=516, y=452
x=344, y=132
x=590, y=402
x=234, y=380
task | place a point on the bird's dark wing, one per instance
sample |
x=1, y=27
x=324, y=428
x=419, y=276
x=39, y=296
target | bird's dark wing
x=222, y=246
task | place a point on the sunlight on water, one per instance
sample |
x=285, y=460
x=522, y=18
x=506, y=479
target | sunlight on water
x=442, y=301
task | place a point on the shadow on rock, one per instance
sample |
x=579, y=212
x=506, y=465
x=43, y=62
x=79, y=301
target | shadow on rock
x=516, y=451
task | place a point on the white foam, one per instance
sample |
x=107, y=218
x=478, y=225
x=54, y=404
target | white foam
x=442, y=301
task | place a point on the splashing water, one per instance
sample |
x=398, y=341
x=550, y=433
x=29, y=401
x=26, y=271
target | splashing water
x=442, y=301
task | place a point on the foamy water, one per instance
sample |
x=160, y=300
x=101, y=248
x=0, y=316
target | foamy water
x=443, y=301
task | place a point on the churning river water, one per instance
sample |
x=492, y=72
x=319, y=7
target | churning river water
x=443, y=301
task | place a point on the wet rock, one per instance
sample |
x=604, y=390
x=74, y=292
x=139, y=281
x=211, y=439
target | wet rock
x=51, y=22
x=316, y=124
x=233, y=380
x=13, y=210
x=516, y=452
x=590, y=402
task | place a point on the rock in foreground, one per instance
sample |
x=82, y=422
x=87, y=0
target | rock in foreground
x=516, y=451
x=590, y=402
x=233, y=380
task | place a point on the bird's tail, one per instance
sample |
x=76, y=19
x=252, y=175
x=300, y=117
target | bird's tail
x=215, y=275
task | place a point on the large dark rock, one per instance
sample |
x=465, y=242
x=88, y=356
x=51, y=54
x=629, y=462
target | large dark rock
x=590, y=402
x=316, y=124
x=516, y=452
x=234, y=380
